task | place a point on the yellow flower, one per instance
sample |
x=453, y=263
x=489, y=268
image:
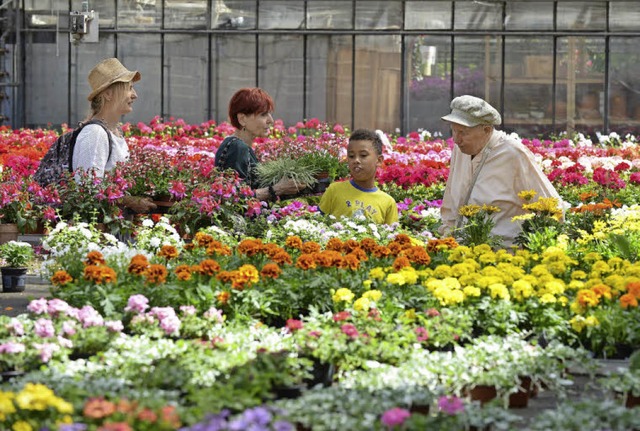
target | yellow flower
x=591, y=321
x=527, y=195
x=362, y=304
x=499, y=290
x=578, y=275
x=410, y=275
x=554, y=287
x=442, y=271
x=576, y=285
x=522, y=217
x=410, y=314
x=472, y=292
x=548, y=298
x=377, y=273
x=577, y=323
x=343, y=295
x=522, y=289
x=396, y=278
x=469, y=210
x=373, y=295
x=6, y=404
x=21, y=426
x=367, y=284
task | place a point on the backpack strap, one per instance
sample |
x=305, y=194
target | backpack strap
x=77, y=131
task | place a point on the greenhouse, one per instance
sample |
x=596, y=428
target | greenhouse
x=319, y=215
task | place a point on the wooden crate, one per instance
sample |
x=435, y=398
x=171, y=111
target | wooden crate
x=538, y=66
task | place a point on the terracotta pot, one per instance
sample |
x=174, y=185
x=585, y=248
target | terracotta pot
x=483, y=393
x=520, y=399
x=13, y=279
x=8, y=232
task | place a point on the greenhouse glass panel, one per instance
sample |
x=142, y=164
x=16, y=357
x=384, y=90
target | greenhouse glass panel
x=185, y=14
x=586, y=15
x=233, y=14
x=281, y=74
x=281, y=14
x=427, y=15
x=185, y=77
x=624, y=87
x=106, y=10
x=474, y=59
x=139, y=14
x=231, y=70
x=624, y=16
x=529, y=16
x=336, y=14
x=478, y=15
x=378, y=15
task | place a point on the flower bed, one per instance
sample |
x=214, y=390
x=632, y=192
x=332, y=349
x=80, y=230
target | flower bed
x=297, y=320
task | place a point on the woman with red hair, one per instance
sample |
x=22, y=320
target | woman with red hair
x=250, y=113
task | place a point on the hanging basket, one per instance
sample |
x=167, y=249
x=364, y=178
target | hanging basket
x=13, y=279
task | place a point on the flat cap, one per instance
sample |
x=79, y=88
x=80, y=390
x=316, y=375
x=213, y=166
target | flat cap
x=472, y=111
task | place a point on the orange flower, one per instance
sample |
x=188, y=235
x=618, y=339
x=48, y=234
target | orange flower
x=395, y=248
x=325, y=258
x=282, y=257
x=360, y=254
x=293, y=242
x=349, y=245
x=183, y=272
x=60, y=278
x=202, y=239
x=584, y=197
x=99, y=274
x=381, y=251
x=403, y=239
x=306, y=261
x=634, y=289
x=244, y=276
x=156, y=274
x=218, y=248
x=98, y=408
x=310, y=247
x=126, y=406
x=168, y=252
x=602, y=290
x=94, y=258
x=250, y=247
x=628, y=300
x=351, y=261
x=272, y=249
x=189, y=246
x=417, y=255
x=334, y=244
x=138, y=264
x=209, y=267
x=401, y=262
x=170, y=415
x=225, y=276
x=271, y=270
x=115, y=426
x=368, y=244
x=147, y=415
x=587, y=298
x=223, y=297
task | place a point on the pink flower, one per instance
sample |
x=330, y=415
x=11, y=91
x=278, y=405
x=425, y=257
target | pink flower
x=422, y=334
x=12, y=347
x=57, y=306
x=69, y=328
x=16, y=327
x=349, y=330
x=43, y=328
x=294, y=324
x=114, y=325
x=338, y=129
x=137, y=304
x=343, y=315
x=89, y=316
x=38, y=306
x=450, y=405
x=46, y=351
x=432, y=312
x=170, y=325
x=395, y=416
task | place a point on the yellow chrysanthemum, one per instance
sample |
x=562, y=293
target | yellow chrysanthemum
x=367, y=284
x=343, y=295
x=554, y=287
x=396, y=278
x=577, y=323
x=448, y=296
x=591, y=321
x=410, y=275
x=472, y=292
x=410, y=314
x=548, y=298
x=377, y=273
x=576, y=285
x=373, y=295
x=362, y=304
x=522, y=289
x=21, y=426
x=499, y=290
x=442, y=271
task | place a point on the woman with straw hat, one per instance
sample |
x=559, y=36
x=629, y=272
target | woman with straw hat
x=100, y=148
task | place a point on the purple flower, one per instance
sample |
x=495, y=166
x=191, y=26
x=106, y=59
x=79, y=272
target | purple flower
x=57, y=306
x=12, y=347
x=137, y=303
x=450, y=405
x=72, y=427
x=89, y=316
x=282, y=426
x=16, y=327
x=44, y=328
x=395, y=416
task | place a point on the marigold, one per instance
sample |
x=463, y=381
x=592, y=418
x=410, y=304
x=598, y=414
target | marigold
x=223, y=297
x=368, y=244
x=168, y=251
x=293, y=242
x=250, y=247
x=60, y=278
x=306, y=261
x=183, y=272
x=209, y=267
x=349, y=245
x=334, y=244
x=362, y=304
x=310, y=247
x=271, y=270
x=351, y=261
x=403, y=239
x=373, y=295
x=401, y=262
x=156, y=274
x=343, y=295
x=282, y=257
x=225, y=276
x=602, y=291
x=587, y=298
x=99, y=274
x=417, y=255
x=634, y=289
x=381, y=251
x=202, y=239
x=138, y=264
x=395, y=248
x=628, y=300
x=94, y=258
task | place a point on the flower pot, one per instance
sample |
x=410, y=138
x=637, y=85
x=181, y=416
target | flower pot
x=14, y=279
x=483, y=393
x=632, y=401
x=520, y=399
x=8, y=375
x=8, y=232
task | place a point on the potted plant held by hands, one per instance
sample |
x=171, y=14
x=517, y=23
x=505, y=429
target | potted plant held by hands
x=17, y=255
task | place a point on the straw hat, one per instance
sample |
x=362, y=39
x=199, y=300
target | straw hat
x=472, y=111
x=106, y=73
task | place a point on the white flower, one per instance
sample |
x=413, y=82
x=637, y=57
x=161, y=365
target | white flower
x=147, y=223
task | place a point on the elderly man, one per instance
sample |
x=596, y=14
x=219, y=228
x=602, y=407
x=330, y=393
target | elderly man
x=488, y=167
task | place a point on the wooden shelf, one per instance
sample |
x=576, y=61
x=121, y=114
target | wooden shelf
x=542, y=121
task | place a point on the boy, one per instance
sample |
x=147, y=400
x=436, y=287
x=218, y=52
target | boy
x=360, y=195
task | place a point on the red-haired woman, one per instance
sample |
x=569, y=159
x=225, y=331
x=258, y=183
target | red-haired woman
x=250, y=113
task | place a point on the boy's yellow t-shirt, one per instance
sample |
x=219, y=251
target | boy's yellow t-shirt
x=346, y=199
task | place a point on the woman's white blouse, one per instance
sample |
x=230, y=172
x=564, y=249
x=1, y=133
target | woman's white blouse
x=92, y=150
